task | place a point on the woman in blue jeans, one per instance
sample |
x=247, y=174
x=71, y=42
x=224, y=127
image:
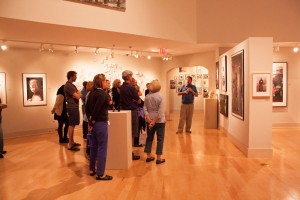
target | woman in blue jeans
x=97, y=106
x=155, y=118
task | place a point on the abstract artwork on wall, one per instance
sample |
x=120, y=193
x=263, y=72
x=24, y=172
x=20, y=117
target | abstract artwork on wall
x=279, y=86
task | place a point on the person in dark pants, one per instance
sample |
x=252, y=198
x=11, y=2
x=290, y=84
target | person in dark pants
x=2, y=106
x=155, y=117
x=84, y=121
x=129, y=100
x=60, y=114
x=97, y=112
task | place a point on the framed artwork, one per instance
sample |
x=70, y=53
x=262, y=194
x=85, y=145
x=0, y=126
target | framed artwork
x=181, y=76
x=237, y=69
x=205, y=93
x=199, y=89
x=3, y=88
x=217, y=75
x=205, y=76
x=186, y=75
x=179, y=83
x=119, y=5
x=261, y=85
x=175, y=78
x=178, y=89
x=194, y=77
x=172, y=84
x=34, y=89
x=224, y=105
x=224, y=73
x=279, y=86
x=205, y=83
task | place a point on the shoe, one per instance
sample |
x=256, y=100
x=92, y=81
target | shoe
x=4, y=152
x=73, y=148
x=138, y=145
x=188, y=131
x=84, y=136
x=66, y=139
x=178, y=132
x=76, y=144
x=160, y=161
x=150, y=159
x=92, y=173
x=62, y=141
x=135, y=157
x=1, y=156
x=105, y=178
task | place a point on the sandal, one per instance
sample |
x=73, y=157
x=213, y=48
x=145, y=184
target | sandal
x=160, y=161
x=150, y=159
x=105, y=178
x=92, y=173
x=73, y=148
x=76, y=144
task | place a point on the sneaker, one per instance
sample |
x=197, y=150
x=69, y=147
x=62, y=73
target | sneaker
x=1, y=156
x=178, y=132
x=134, y=157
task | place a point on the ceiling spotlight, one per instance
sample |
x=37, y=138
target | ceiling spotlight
x=276, y=48
x=76, y=49
x=3, y=46
x=51, y=49
x=41, y=47
x=149, y=57
x=296, y=49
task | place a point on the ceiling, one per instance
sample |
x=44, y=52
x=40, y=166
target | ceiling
x=27, y=34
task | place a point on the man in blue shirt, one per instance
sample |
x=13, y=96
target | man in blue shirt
x=188, y=92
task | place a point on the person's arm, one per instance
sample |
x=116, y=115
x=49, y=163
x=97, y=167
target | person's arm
x=194, y=91
x=76, y=95
x=59, y=99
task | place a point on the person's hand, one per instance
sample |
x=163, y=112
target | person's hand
x=53, y=110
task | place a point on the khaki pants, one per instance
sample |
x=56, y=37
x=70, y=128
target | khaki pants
x=186, y=115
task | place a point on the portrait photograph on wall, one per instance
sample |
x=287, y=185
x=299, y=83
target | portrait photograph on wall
x=237, y=82
x=279, y=86
x=119, y=5
x=217, y=75
x=224, y=105
x=261, y=85
x=172, y=84
x=3, y=88
x=34, y=89
x=224, y=73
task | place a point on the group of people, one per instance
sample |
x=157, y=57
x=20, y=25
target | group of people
x=96, y=101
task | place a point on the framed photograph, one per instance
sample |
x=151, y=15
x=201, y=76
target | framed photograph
x=199, y=89
x=194, y=77
x=224, y=73
x=186, y=75
x=181, y=77
x=261, y=85
x=178, y=89
x=217, y=75
x=279, y=88
x=3, y=88
x=172, y=84
x=179, y=83
x=199, y=76
x=224, y=105
x=237, y=83
x=175, y=78
x=34, y=89
x=205, y=76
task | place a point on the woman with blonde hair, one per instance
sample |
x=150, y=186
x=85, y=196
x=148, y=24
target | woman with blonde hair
x=155, y=118
x=97, y=113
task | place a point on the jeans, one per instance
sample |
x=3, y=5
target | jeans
x=159, y=128
x=99, y=149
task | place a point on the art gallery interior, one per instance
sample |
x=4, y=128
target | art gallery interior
x=164, y=40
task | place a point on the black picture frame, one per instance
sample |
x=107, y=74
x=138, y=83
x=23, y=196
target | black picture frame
x=223, y=104
x=224, y=73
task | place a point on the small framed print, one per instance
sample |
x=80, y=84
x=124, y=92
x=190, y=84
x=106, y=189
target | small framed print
x=187, y=75
x=178, y=88
x=175, y=78
x=181, y=76
x=223, y=64
x=34, y=89
x=261, y=85
x=172, y=84
x=179, y=83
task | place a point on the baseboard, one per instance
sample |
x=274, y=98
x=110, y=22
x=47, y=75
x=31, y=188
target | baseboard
x=286, y=125
x=248, y=152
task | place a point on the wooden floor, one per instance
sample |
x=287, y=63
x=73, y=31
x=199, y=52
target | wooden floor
x=201, y=165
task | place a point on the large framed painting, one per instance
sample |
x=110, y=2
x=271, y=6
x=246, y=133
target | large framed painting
x=3, y=88
x=224, y=73
x=34, y=89
x=279, y=88
x=119, y=5
x=261, y=85
x=224, y=104
x=217, y=75
x=237, y=83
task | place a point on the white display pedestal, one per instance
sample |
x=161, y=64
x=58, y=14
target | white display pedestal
x=210, y=113
x=119, y=152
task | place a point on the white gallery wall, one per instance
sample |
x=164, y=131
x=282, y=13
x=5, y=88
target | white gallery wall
x=19, y=120
x=289, y=116
x=253, y=134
